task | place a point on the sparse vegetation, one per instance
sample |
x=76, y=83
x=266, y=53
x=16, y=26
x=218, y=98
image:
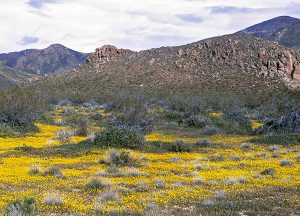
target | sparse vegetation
x=26, y=207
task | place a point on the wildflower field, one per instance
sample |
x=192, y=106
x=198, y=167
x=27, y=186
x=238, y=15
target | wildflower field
x=76, y=177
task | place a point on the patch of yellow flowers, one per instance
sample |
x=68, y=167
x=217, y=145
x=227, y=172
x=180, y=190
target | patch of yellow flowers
x=166, y=178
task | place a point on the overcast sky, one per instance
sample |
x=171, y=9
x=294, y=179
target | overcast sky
x=84, y=25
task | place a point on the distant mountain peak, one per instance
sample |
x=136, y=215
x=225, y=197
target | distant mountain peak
x=53, y=59
x=56, y=46
x=284, y=30
x=285, y=18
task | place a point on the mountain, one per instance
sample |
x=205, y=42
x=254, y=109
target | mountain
x=55, y=58
x=238, y=64
x=284, y=30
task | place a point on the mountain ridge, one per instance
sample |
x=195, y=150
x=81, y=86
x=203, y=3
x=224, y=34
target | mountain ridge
x=53, y=59
x=230, y=64
x=284, y=30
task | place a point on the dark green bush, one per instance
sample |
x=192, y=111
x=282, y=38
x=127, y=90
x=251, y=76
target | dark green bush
x=123, y=137
x=180, y=146
x=19, y=107
x=82, y=127
x=197, y=121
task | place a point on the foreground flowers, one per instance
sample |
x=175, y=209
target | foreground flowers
x=227, y=168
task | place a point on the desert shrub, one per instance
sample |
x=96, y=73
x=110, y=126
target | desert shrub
x=24, y=148
x=54, y=171
x=53, y=199
x=245, y=146
x=198, y=181
x=231, y=124
x=142, y=186
x=236, y=158
x=159, y=146
x=124, y=137
x=220, y=195
x=174, y=115
x=64, y=136
x=238, y=122
x=19, y=107
x=68, y=111
x=298, y=158
x=273, y=148
x=91, y=137
x=74, y=119
x=269, y=171
x=34, y=170
x=203, y=143
x=289, y=123
x=217, y=158
x=179, y=146
x=160, y=183
x=82, y=127
x=109, y=196
x=95, y=117
x=280, y=139
x=136, y=118
x=46, y=118
x=7, y=131
x=285, y=162
x=197, y=121
x=26, y=207
x=121, y=158
x=211, y=130
x=95, y=184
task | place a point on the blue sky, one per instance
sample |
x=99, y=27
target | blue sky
x=134, y=24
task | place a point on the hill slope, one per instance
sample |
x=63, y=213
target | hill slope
x=284, y=30
x=227, y=64
x=10, y=76
x=55, y=58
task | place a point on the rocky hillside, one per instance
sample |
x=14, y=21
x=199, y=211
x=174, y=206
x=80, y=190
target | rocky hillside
x=55, y=58
x=227, y=64
x=284, y=30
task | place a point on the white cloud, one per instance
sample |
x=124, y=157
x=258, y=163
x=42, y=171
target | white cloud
x=134, y=24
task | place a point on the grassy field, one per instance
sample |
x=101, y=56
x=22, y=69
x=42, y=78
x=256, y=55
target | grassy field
x=230, y=176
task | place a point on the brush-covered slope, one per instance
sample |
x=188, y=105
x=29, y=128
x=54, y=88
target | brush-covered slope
x=227, y=64
x=55, y=58
x=9, y=76
x=284, y=30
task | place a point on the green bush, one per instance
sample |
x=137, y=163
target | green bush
x=82, y=127
x=19, y=107
x=95, y=184
x=123, y=137
x=180, y=146
x=197, y=121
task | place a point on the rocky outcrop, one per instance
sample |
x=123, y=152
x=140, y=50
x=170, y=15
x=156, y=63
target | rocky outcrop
x=285, y=65
x=106, y=53
x=230, y=64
